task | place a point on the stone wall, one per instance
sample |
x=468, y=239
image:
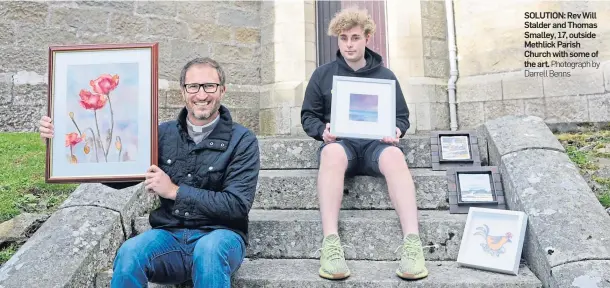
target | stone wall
x=492, y=81
x=228, y=31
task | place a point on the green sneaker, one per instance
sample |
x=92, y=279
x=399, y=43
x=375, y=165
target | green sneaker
x=332, y=259
x=412, y=263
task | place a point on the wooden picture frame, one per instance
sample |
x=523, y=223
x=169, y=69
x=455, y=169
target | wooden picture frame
x=103, y=101
x=474, y=187
x=493, y=240
x=454, y=149
x=363, y=108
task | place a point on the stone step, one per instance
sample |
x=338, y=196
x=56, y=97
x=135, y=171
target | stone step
x=303, y=273
x=301, y=153
x=296, y=189
x=368, y=234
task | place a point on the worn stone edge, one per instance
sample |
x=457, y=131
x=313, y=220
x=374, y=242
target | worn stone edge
x=532, y=250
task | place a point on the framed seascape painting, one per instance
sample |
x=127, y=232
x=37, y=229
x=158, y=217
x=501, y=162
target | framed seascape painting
x=493, y=240
x=103, y=104
x=363, y=108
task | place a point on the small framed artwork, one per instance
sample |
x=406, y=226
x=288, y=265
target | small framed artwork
x=363, y=108
x=474, y=186
x=493, y=240
x=454, y=149
x=103, y=102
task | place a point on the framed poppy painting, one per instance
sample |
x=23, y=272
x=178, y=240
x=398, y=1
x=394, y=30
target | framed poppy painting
x=103, y=104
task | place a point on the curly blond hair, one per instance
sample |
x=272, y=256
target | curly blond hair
x=349, y=18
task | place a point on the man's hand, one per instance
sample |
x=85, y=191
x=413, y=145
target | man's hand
x=158, y=182
x=326, y=136
x=391, y=140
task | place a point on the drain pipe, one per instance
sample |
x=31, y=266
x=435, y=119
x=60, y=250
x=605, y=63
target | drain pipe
x=452, y=64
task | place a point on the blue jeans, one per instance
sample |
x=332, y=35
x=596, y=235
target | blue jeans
x=175, y=256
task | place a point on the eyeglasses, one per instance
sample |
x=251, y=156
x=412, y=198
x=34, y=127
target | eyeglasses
x=207, y=87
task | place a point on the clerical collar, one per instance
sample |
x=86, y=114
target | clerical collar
x=202, y=129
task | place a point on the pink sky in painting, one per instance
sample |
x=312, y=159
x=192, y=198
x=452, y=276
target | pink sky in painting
x=363, y=102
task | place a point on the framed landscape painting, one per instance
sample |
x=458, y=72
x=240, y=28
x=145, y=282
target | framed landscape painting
x=103, y=102
x=363, y=108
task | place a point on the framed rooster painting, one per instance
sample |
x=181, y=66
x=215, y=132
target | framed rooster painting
x=493, y=240
x=102, y=100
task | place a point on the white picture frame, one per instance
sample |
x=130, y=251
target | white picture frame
x=363, y=108
x=480, y=252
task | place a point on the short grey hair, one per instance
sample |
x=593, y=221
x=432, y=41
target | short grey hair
x=204, y=61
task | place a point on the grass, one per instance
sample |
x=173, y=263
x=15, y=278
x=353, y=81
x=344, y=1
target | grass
x=22, y=183
x=586, y=149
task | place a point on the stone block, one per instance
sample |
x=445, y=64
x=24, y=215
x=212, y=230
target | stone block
x=554, y=197
x=184, y=51
x=31, y=12
x=436, y=67
x=130, y=202
x=247, y=35
x=17, y=118
x=588, y=273
x=434, y=48
x=157, y=8
x=276, y=273
x=424, y=90
x=32, y=95
x=497, y=109
x=209, y=32
x=7, y=37
x=248, y=117
x=511, y=134
x=23, y=59
x=434, y=28
x=566, y=109
x=515, y=86
x=283, y=94
x=168, y=28
x=469, y=114
x=127, y=25
x=191, y=11
x=6, y=93
x=301, y=153
x=80, y=19
x=67, y=250
x=234, y=54
x=534, y=107
x=19, y=228
x=599, y=107
x=40, y=38
x=296, y=189
x=168, y=114
x=114, y=6
x=274, y=121
x=479, y=88
x=242, y=74
x=235, y=17
x=242, y=96
x=372, y=234
x=577, y=84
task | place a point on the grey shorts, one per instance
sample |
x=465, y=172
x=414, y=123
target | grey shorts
x=362, y=155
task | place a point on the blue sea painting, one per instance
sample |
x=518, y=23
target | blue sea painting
x=363, y=107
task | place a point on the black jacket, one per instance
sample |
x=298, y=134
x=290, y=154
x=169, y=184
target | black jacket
x=217, y=177
x=315, y=111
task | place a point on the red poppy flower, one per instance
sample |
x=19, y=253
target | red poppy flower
x=104, y=84
x=92, y=101
x=72, y=139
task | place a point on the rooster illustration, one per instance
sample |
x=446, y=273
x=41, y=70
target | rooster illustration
x=493, y=245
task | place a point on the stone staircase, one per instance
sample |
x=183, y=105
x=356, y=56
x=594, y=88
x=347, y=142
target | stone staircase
x=286, y=232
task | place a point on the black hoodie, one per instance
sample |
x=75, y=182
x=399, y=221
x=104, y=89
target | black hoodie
x=315, y=112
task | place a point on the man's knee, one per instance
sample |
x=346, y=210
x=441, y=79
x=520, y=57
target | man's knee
x=218, y=244
x=391, y=158
x=333, y=155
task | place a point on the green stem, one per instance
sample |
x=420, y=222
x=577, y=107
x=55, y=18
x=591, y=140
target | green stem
x=111, y=125
x=98, y=134
x=118, y=139
x=79, y=133
x=94, y=145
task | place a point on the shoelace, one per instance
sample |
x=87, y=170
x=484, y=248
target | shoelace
x=335, y=250
x=410, y=249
